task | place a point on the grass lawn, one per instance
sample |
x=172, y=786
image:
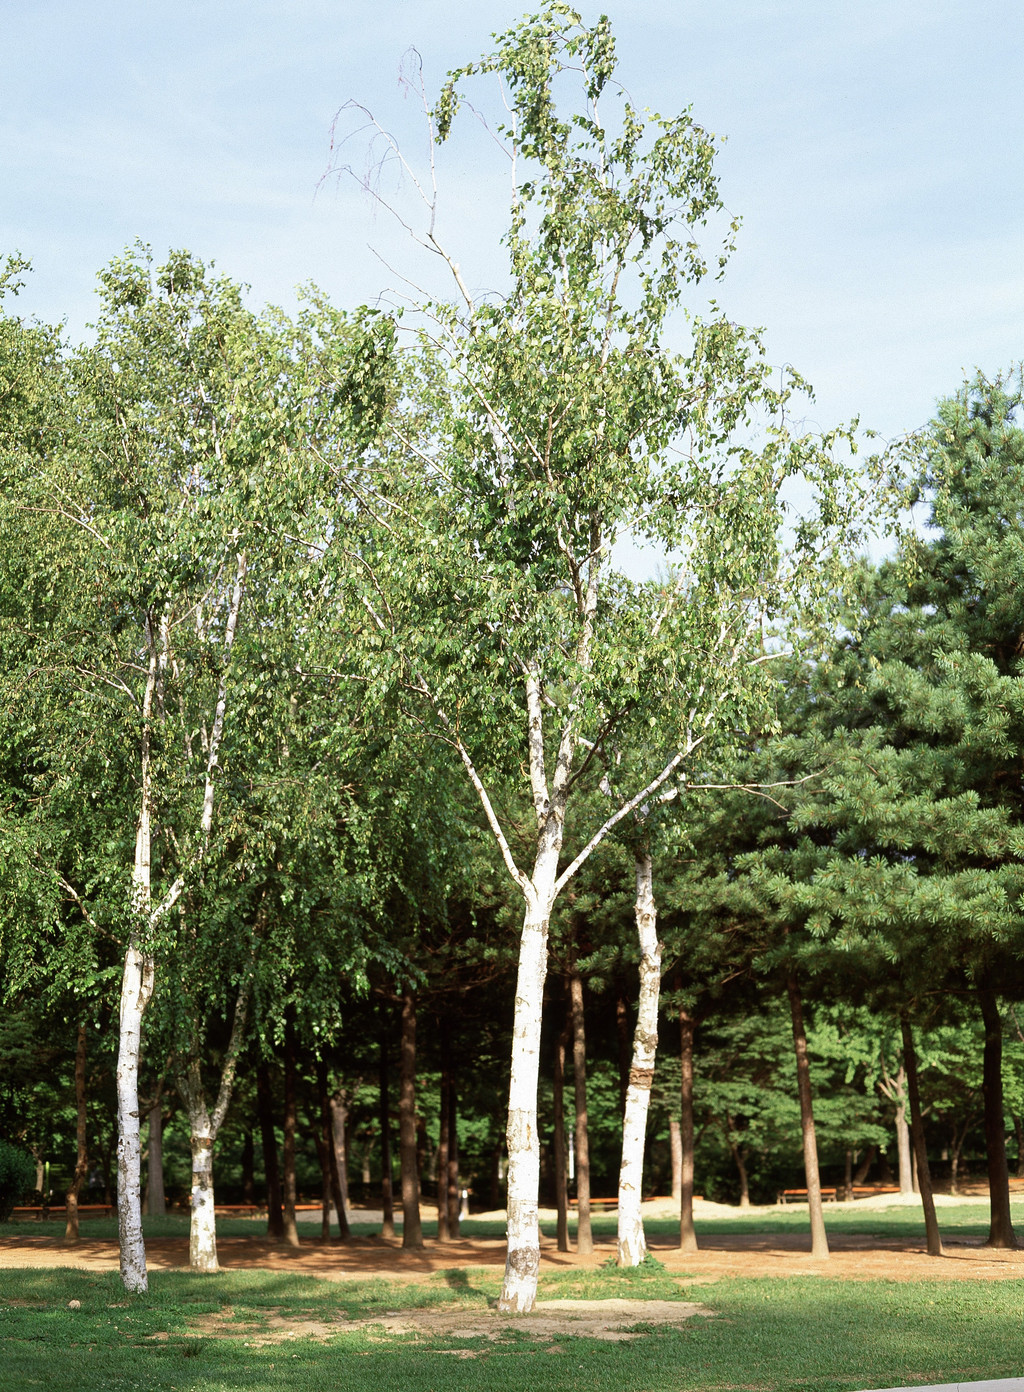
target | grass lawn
x=199, y=1334
x=246, y=1330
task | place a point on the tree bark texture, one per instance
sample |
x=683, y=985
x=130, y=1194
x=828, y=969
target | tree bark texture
x=924, y=1178
x=291, y=1231
x=444, y=1120
x=687, y=1232
x=1001, y=1233
x=136, y=990
x=454, y=1194
x=819, y=1239
x=339, y=1162
x=81, y=1142
x=903, y=1132
x=632, y=1243
x=333, y=1188
x=561, y=1159
x=675, y=1146
x=156, y=1197
x=412, y=1230
x=268, y=1142
x=387, y=1228
x=584, y=1233
x=522, y=1263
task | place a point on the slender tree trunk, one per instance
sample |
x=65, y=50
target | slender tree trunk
x=675, y=1144
x=333, y=1186
x=848, y=1176
x=924, y=1178
x=622, y=1039
x=291, y=1231
x=412, y=1231
x=136, y=990
x=861, y=1172
x=687, y=1232
x=1018, y=1127
x=386, y=1188
x=339, y=1162
x=248, y=1167
x=81, y=1145
x=156, y=1197
x=444, y=1118
x=561, y=1159
x=1001, y=1233
x=903, y=1133
x=584, y=1235
x=322, y=1141
x=454, y=1196
x=740, y=1162
x=632, y=1242
x=268, y=1141
x=954, y=1164
x=819, y=1239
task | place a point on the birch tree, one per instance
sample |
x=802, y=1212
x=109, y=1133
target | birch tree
x=550, y=420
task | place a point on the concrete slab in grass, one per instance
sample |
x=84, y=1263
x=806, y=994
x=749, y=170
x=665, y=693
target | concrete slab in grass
x=1014, y=1384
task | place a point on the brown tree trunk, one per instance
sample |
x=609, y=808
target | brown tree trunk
x=321, y=1142
x=82, y=1152
x=387, y=1228
x=412, y=1230
x=819, y=1239
x=454, y=1193
x=623, y=1033
x=561, y=1166
x=1001, y=1233
x=860, y=1174
x=740, y=1162
x=675, y=1144
x=332, y=1173
x=924, y=1178
x=248, y=1167
x=291, y=1231
x=156, y=1199
x=268, y=1142
x=444, y=1121
x=584, y=1235
x=1018, y=1127
x=687, y=1232
x=848, y=1176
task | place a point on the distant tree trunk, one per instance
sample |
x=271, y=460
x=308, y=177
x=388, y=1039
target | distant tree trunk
x=291, y=1231
x=632, y=1242
x=412, y=1230
x=268, y=1142
x=1001, y=1233
x=739, y=1160
x=675, y=1145
x=584, y=1235
x=622, y=1035
x=444, y=1121
x=1018, y=1127
x=561, y=1164
x=861, y=1172
x=819, y=1239
x=322, y=1142
x=248, y=1167
x=848, y=1176
x=903, y=1132
x=454, y=1195
x=924, y=1178
x=338, y=1117
x=82, y=1151
x=156, y=1198
x=386, y=1188
x=687, y=1232
x=329, y=1164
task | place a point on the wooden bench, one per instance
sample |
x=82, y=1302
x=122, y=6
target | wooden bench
x=800, y=1195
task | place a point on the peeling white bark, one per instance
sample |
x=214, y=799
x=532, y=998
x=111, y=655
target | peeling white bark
x=632, y=1244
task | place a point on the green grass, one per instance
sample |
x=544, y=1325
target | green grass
x=769, y=1335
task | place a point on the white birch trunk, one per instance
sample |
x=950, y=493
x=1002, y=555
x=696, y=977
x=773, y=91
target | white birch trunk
x=632, y=1244
x=522, y=1265
x=136, y=989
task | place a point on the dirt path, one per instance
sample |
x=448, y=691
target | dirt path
x=853, y=1257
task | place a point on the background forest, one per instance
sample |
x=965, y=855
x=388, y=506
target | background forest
x=339, y=751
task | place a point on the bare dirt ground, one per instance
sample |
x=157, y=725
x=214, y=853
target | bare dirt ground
x=722, y=1254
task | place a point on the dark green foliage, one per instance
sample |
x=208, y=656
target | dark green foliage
x=17, y=1175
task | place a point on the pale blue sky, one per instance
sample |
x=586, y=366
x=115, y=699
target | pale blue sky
x=875, y=154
